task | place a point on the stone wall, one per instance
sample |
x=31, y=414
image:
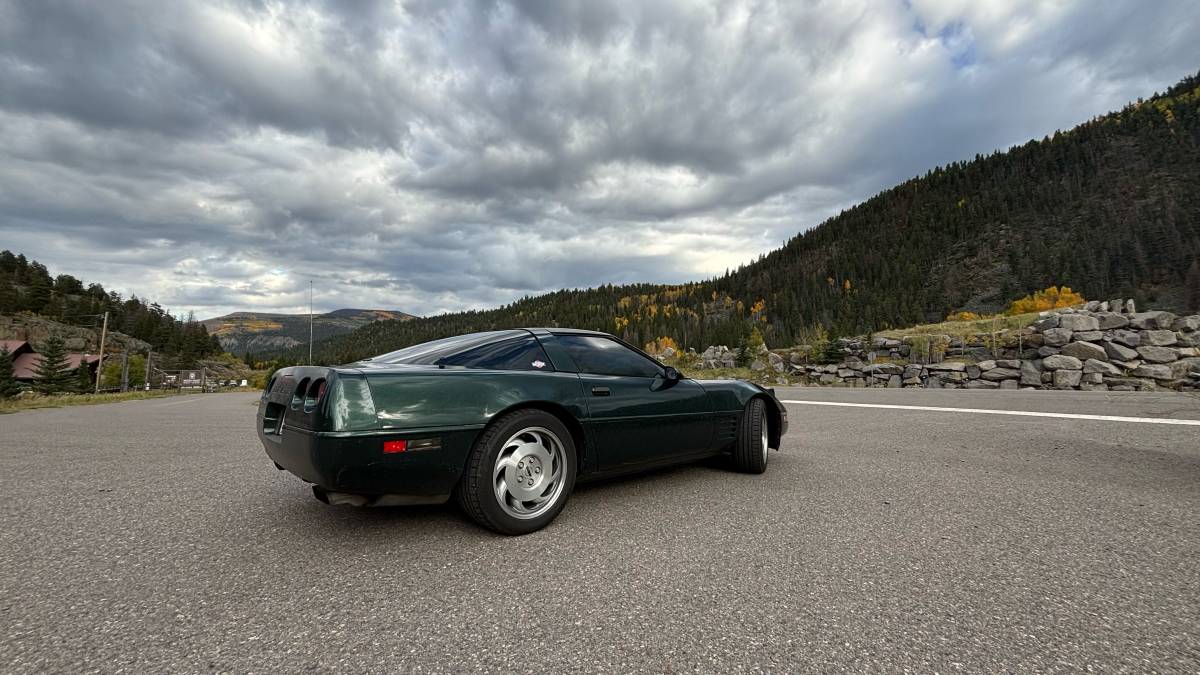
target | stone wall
x=1097, y=346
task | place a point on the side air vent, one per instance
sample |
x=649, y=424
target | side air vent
x=726, y=429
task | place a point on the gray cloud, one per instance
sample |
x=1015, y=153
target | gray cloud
x=433, y=156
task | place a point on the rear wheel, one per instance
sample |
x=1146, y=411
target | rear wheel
x=520, y=473
x=753, y=440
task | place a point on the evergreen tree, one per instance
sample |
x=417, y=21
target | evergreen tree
x=1191, y=285
x=83, y=379
x=8, y=384
x=52, y=374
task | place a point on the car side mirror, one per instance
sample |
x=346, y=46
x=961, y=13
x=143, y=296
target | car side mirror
x=672, y=374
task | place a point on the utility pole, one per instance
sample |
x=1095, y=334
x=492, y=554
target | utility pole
x=310, y=320
x=149, y=368
x=125, y=371
x=100, y=361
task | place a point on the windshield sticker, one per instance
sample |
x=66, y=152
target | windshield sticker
x=538, y=364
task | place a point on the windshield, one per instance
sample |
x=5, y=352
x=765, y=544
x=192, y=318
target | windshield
x=429, y=353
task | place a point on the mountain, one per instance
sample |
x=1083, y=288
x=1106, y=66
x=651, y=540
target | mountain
x=1110, y=208
x=262, y=333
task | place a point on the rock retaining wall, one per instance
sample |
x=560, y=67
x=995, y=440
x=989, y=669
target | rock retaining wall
x=1097, y=346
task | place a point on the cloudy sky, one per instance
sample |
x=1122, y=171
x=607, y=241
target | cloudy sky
x=433, y=156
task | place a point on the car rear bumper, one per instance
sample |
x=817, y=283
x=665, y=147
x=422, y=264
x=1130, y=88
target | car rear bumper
x=355, y=463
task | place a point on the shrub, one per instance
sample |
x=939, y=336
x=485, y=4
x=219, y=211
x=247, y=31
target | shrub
x=1053, y=297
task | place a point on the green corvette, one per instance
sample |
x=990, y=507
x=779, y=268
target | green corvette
x=504, y=421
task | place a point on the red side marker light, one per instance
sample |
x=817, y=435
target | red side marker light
x=395, y=446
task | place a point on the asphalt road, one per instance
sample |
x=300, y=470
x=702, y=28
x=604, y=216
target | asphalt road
x=155, y=536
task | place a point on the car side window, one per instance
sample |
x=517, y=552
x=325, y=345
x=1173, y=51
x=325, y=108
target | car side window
x=519, y=354
x=605, y=356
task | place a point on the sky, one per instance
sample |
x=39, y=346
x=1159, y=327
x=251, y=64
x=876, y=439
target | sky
x=442, y=155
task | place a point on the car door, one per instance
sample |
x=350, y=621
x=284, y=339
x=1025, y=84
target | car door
x=635, y=415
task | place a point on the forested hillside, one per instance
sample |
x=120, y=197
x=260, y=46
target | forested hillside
x=1110, y=208
x=264, y=334
x=27, y=286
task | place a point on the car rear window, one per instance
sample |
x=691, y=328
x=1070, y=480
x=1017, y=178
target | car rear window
x=430, y=353
x=518, y=354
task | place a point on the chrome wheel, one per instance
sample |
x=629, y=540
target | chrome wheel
x=764, y=441
x=528, y=476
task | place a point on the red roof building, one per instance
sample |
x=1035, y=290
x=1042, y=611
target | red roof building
x=25, y=365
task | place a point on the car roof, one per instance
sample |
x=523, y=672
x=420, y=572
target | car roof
x=567, y=331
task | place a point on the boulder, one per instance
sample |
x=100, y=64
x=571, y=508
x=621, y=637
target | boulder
x=955, y=366
x=854, y=362
x=981, y=384
x=1130, y=307
x=1087, y=386
x=1158, y=338
x=1153, y=371
x=1110, y=320
x=1118, y=352
x=973, y=372
x=1047, y=351
x=846, y=372
x=1062, y=362
x=758, y=365
x=1098, y=366
x=986, y=365
x=1185, y=367
x=1074, y=322
x=1008, y=363
x=951, y=376
x=1084, y=351
x=997, y=374
x=1187, y=324
x=1056, y=337
x=894, y=382
x=1190, y=339
x=1158, y=354
x=911, y=371
x=883, y=369
x=1123, y=383
x=1152, y=320
x=1087, y=335
x=1045, y=323
x=1091, y=306
x=828, y=378
x=1129, y=338
x=1067, y=379
x=776, y=361
x=1091, y=378
x=1009, y=384
x=1031, y=373
x=933, y=383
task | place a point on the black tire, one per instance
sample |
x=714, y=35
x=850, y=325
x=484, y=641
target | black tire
x=477, y=489
x=750, y=450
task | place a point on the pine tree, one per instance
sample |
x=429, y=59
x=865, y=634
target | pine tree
x=1191, y=285
x=53, y=373
x=8, y=384
x=83, y=379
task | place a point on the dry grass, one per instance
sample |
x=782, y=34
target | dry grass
x=31, y=402
x=963, y=327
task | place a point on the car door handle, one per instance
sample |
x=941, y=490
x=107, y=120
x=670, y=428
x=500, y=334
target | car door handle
x=600, y=391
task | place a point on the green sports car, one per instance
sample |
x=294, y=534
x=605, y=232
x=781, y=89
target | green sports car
x=505, y=421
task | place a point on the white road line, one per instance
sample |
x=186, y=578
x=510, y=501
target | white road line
x=1026, y=413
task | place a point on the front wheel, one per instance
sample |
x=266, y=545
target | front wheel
x=750, y=450
x=520, y=473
